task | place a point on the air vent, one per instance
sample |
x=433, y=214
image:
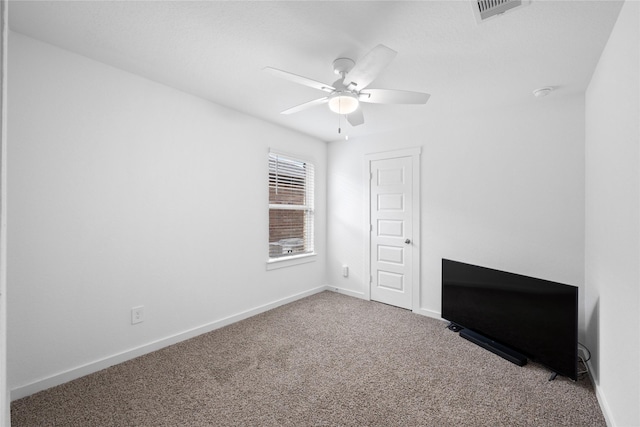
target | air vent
x=485, y=9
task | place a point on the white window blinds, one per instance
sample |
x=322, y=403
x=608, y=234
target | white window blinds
x=290, y=206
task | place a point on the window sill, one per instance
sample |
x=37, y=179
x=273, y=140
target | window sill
x=290, y=261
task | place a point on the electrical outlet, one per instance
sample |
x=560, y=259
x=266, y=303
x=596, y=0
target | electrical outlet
x=137, y=315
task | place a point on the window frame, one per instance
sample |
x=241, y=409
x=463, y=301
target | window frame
x=308, y=207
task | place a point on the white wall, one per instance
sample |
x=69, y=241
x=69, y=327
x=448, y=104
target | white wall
x=612, y=226
x=124, y=192
x=500, y=188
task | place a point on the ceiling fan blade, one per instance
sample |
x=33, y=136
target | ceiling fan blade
x=369, y=66
x=390, y=96
x=306, y=105
x=299, y=79
x=356, y=118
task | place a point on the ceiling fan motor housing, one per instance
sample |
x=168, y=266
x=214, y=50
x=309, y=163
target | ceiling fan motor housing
x=342, y=66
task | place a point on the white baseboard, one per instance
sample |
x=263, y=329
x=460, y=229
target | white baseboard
x=602, y=401
x=422, y=311
x=346, y=292
x=98, y=365
x=429, y=313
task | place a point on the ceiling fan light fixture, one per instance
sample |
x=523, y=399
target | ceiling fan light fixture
x=343, y=103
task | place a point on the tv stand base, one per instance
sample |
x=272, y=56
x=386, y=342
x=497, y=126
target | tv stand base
x=503, y=351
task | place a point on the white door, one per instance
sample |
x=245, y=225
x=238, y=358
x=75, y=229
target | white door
x=391, y=231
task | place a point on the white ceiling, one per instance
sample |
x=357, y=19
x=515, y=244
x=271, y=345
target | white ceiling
x=217, y=49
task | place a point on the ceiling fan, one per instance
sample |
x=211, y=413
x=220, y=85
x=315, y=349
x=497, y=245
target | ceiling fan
x=346, y=93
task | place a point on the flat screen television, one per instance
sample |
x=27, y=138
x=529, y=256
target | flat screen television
x=537, y=318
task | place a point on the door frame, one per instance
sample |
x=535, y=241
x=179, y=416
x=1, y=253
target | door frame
x=414, y=153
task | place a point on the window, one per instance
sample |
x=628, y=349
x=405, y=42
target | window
x=290, y=207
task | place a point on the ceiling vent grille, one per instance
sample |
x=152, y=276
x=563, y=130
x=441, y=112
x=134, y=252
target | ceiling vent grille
x=485, y=9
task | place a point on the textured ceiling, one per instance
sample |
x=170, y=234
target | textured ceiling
x=217, y=49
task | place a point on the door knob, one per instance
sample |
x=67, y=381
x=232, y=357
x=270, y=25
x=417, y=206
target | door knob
x=407, y=241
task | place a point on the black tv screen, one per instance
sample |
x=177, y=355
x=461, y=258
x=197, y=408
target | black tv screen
x=536, y=317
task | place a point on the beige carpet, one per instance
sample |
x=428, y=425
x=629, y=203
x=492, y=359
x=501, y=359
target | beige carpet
x=326, y=360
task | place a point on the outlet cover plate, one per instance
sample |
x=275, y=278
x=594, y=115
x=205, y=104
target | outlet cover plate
x=137, y=314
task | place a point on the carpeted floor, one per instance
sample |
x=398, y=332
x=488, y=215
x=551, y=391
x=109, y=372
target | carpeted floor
x=326, y=360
